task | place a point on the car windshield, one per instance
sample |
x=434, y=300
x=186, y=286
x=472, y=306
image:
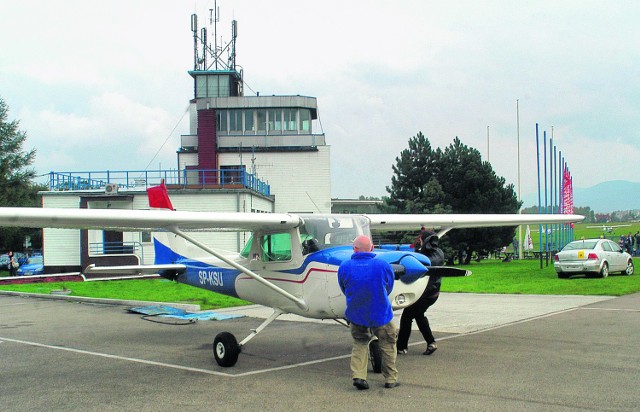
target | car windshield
x=581, y=244
x=35, y=260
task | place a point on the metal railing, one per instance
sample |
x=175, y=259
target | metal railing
x=142, y=179
x=116, y=248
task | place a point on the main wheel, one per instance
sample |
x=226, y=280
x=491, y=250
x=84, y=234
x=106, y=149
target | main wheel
x=375, y=356
x=604, y=272
x=226, y=349
x=629, y=270
x=563, y=275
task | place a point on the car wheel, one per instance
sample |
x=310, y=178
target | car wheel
x=604, y=272
x=629, y=270
x=563, y=275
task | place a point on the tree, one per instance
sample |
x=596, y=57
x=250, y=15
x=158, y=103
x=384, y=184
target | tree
x=16, y=177
x=455, y=180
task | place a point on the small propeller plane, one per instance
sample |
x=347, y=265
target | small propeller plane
x=289, y=263
x=607, y=228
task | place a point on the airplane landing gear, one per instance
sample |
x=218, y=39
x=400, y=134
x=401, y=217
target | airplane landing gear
x=375, y=356
x=226, y=349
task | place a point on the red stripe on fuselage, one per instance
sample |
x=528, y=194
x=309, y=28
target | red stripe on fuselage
x=245, y=277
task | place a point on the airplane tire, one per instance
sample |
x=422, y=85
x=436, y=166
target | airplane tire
x=226, y=349
x=375, y=356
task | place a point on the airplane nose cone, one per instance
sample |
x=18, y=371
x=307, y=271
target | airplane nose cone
x=413, y=269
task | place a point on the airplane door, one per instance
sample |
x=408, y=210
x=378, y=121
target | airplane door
x=337, y=301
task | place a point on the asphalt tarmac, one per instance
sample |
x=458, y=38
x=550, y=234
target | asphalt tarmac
x=495, y=352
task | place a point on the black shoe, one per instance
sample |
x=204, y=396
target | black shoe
x=361, y=384
x=430, y=349
x=390, y=385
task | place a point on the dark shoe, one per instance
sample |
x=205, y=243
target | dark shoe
x=430, y=349
x=361, y=384
x=390, y=385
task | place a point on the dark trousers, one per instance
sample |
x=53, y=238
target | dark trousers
x=417, y=312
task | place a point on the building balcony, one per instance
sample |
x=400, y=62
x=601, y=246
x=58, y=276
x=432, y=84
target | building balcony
x=112, y=181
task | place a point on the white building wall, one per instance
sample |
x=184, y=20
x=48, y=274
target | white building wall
x=61, y=247
x=300, y=181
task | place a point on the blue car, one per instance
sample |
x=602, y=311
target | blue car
x=33, y=266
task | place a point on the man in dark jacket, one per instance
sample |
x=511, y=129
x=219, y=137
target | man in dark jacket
x=366, y=282
x=418, y=309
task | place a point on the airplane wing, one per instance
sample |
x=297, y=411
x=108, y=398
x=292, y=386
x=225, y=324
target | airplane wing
x=137, y=220
x=459, y=221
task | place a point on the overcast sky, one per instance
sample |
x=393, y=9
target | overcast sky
x=104, y=85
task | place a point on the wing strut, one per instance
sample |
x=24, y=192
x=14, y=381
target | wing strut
x=299, y=302
x=254, y=332
x=443, y=231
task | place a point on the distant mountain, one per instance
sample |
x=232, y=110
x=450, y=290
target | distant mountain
x=605, y=197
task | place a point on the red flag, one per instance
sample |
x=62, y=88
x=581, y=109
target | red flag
x=159, y=197
x=567, y=192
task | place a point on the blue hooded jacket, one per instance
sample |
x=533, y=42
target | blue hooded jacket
x=367, y=282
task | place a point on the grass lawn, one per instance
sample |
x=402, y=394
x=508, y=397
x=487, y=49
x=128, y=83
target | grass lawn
x=489, y=276
x=526, y=277
x=152, y=290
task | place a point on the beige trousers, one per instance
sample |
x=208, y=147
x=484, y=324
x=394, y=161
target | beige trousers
x=387, y=336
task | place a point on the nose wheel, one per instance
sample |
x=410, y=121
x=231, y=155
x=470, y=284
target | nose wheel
x=226, y=349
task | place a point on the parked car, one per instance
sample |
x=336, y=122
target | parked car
x=597, y=257
x=33, y=266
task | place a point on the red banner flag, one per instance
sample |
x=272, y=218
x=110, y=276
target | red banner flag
x=159, y=197
x=567, y=192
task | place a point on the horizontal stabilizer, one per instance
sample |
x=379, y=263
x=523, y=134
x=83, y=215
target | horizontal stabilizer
x=133, y=269
x=447, y=271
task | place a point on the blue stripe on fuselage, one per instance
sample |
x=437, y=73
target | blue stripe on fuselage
x=213, y=278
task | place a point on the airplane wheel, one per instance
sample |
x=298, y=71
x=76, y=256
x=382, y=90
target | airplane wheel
x=226, y=349
x=375, y=356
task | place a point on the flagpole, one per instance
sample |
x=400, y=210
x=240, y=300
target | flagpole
x=520, y=255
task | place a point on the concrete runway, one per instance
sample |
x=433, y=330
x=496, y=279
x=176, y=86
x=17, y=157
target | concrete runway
x=495, y=352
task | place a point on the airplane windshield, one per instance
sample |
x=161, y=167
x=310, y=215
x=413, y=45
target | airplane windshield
x=333, y=230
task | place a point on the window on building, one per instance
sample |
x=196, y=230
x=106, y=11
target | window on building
x=235, y=121
x=290, y=122
x=221, y=121
x=261, y=116
x=145, y=237
x=231, y=174
x=275, y=121
x=249, y=125
x=305, y=120
x=201, y=86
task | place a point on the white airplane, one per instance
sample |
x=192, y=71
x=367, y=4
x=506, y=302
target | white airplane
x=607, y=228
x=289, y=264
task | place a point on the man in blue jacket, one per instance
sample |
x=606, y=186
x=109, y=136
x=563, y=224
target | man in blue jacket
x=366, y=283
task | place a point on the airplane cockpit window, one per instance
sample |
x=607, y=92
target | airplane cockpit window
x=332, y=230
x=276, y=247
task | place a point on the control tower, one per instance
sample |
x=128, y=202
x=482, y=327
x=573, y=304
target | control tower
x=272, y=137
